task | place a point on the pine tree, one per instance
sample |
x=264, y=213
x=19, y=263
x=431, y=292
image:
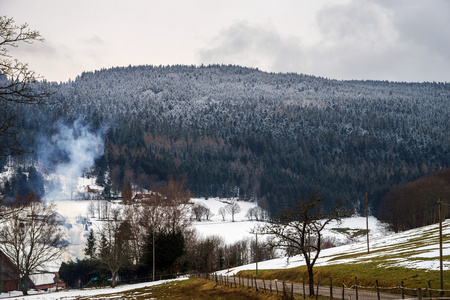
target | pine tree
x=90, y=245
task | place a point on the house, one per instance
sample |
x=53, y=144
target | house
x=92, y=190
x=146, y=197
x=57, y=219
x=46, y=281
x=8, y=274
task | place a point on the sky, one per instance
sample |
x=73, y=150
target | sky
x=402, y=40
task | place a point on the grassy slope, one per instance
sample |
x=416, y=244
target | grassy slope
x=393, y=259
x=193, y=289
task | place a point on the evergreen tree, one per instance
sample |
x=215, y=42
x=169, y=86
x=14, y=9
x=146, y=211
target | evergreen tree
x=90, y=249
x=168, y=248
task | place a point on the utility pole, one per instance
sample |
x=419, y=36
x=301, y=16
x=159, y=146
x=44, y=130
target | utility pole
x=256, y=242
x=440, y=245
x=367, y=223
x=154, y=256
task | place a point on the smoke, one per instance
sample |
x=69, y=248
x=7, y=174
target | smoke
x=67, y=154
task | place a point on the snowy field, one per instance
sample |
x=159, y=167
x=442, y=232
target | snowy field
x=416, y=249
x=90, y=293
x=231, y=232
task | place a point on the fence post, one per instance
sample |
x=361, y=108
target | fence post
x=270, y=286
x=419, y=294
x=234, y=279
x=343, y=290
x=304, y=290
x=378, y=290
x=292, y=290
x=356, y=288
x=317, y=292
x=256, y=284
x=429, y=288
x=252, y=281
x=331, y=288
x=284, y=289
x=264, y=285
x=239, y=280
x=403, y=291
x=248, y=283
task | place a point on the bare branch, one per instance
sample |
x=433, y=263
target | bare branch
x=17, y=81
x=299, y=229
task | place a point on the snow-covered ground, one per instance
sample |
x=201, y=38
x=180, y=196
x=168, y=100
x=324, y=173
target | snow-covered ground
x=87, y=293
x=235, y=231
x=231, y=232
x=417, y=249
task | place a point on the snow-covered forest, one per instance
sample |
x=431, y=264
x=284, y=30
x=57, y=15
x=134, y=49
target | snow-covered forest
x=240, y=132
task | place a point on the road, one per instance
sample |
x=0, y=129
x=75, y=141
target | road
x=277, y=287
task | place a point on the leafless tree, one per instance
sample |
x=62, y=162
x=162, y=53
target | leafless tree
x=201, y=211
x=177, y=204
x=16, y=82
x=134, y=214
x=31, y=238
x=223, y=213
x=115, y=243
x=257, y=213
x=300, y=229
x=233, y=208
x=208, y=214
x=105, y=209
x=91, y=209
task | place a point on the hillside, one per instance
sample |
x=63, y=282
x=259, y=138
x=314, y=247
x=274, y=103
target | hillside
x=237, y=131
x=414, y=249
x=421, y=197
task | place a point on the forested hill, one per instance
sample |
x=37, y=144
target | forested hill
x=238, y=130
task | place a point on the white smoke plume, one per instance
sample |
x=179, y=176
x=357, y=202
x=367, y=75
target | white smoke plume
x=69, y=152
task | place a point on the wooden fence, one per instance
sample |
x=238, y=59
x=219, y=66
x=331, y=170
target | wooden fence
x=324, y=287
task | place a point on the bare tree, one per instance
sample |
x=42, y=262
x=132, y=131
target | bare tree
x=16, y=82
x=177, y=204
x=31, y=238
x=208, y=214
x=134, y=214
x=91, y=209
x=300, y=229
x=115, y=244
x=233, y=208
x=201, y=211
x=223, y=213
x=257, y=213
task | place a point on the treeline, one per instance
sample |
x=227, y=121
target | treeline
x=152, y=238
x=237, y=131
x=416, y=204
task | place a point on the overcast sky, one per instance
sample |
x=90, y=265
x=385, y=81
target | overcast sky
x=401, y=40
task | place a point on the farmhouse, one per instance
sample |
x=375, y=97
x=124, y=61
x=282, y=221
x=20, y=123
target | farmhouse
x=8, y=273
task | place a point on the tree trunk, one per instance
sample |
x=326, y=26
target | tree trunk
x=24, y=285
x=311, y=281
x=113, y=278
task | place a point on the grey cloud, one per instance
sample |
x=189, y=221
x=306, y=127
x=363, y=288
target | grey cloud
x=44, y=49
x=253, y=45
x=406, y=41
x=362, y=39
x=424, y=24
